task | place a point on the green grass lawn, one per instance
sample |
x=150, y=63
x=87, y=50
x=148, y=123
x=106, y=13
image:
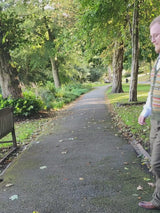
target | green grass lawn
x=26, y=131
x=129, y=114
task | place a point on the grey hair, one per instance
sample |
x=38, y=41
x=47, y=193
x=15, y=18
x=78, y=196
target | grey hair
x=156, y=20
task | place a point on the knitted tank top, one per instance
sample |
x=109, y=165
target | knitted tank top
x=155, y=91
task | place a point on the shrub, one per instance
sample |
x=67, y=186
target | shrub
x=127, y=74
x=47, y=93
x=50, y=87
x=47, y=97
x=68, y=93
x=26, y=106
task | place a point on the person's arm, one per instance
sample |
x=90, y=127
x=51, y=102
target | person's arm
x=146, y=111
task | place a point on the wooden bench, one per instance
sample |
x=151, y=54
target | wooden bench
x=6, y=127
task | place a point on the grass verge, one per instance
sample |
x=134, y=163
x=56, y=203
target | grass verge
x=126, y=116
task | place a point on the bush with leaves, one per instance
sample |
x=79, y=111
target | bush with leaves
x=57, y=98
x=48, y=98
x=26, y=106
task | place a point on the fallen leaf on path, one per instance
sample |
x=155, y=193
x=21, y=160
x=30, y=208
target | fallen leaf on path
x=151, y=184
x=81, y=178
x=43, y=167
x=70, y=139
x=64, y=152
x=125, y=163
x=147, y=179
x=126, y=168
x=139, y=188
x=9, y=185
x=14, y=197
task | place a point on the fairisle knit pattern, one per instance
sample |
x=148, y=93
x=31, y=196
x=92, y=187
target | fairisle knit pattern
x=155, y=90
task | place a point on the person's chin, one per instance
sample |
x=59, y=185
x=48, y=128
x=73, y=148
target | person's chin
x=157, y=49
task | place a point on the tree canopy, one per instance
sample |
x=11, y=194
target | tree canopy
x=68, y=40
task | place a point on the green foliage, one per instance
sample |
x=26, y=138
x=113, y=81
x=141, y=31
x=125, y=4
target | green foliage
x=127, y=74
x=34, y=31
x=56, y=98
x=47, y=93
x=46, y=30
x=68, y=93
x=33, y=65
x=10, y=32
x=96, y=69
x=27, y=106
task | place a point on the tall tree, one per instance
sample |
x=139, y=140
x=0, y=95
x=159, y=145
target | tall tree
x=9, y=36
x=106, y=19
x=135, y=53
x=143, y=13
x=46, y=26
x=117, y=67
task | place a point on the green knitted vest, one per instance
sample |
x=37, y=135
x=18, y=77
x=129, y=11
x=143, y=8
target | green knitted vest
x=155, y=91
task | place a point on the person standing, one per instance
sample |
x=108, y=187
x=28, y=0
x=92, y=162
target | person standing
x=152, y=109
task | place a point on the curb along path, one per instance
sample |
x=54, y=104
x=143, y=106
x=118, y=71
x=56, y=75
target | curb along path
x=80, y=166
x=136, y=145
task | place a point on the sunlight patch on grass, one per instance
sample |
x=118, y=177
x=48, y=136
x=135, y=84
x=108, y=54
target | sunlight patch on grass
x=142, y=93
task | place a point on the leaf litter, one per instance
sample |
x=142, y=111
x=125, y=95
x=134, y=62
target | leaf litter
x=43, y=167
x=14, y=197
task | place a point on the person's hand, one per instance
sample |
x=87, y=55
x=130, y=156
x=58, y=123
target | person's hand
x=141, y=120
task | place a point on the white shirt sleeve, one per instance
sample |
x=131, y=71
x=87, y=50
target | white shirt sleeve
x=147, y=107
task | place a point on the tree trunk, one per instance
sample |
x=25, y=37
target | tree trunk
x=135, y=53
x=55, y=72
x=117, y=67
x=9, y=81
x=109, y=73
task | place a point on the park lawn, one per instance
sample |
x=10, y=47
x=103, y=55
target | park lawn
x=26, y=131
x=128, y=115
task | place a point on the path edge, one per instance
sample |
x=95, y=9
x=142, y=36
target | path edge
x=140, y=151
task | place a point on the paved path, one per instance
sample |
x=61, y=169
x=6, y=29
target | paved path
x=81, y=166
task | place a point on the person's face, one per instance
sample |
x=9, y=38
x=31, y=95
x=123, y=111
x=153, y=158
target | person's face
x=155, y=36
